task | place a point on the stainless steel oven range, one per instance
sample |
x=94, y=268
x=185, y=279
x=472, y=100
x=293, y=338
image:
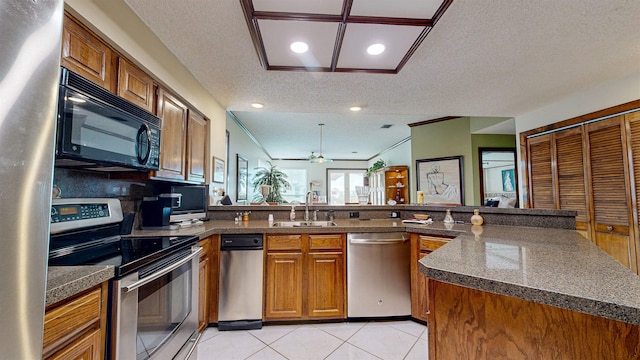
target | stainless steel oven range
x=153, y=310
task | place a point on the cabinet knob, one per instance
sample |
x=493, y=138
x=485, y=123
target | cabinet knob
x=609, y=228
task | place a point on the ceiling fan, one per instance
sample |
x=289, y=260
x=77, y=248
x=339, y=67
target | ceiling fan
x=320, y=158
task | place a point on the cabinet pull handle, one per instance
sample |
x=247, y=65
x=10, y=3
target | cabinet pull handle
x=609, y=228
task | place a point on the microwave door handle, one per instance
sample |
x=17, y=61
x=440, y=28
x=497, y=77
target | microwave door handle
x=128, y=288
x=144, y=129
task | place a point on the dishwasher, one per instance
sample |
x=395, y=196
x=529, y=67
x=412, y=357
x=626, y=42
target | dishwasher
x=378, y=275
x=240, y=298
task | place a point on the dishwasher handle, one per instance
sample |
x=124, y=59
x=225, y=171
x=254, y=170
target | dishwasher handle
x=379, y=238
x=377, y=241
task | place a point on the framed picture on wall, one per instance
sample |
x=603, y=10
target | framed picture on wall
x=441, y=179
x=218, y=170
x=508, y=180
x=242, y=176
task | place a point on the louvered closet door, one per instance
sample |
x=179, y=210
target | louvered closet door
x=633, y=121
x=540, y=173
x=609, y=189
x=570, y=176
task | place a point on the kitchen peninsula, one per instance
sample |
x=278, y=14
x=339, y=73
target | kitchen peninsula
x=514, y=293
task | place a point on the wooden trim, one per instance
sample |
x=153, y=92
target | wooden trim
x=632, y=105
x=433, y=121
x=252, y=16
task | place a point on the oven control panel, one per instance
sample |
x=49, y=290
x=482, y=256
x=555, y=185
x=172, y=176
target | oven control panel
x=70, y=214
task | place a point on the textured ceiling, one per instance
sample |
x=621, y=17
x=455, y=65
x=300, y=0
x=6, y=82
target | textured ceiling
x=489, y=58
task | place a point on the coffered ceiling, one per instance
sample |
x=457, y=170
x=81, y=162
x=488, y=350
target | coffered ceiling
x=483, y=58
x=338, y=33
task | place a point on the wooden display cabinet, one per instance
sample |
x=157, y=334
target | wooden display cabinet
x=390, y=183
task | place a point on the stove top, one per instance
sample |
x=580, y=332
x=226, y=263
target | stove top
x=127, y=254
x=82, y=236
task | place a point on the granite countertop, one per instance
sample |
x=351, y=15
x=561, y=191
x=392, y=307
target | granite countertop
x=66, y=281
x=550, y=266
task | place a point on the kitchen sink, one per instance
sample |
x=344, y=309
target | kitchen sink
x=304, y=223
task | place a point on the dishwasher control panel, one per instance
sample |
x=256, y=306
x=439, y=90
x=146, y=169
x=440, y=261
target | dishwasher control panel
x=241, y=242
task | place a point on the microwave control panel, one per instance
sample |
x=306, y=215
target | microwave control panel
x=74, y=212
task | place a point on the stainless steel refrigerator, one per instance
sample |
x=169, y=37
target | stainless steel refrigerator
x=30, y=36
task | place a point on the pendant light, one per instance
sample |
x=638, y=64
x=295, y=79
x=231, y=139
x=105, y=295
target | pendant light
x=319, y=159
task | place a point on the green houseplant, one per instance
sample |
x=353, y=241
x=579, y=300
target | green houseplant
x=376, y=165
x=273, y=177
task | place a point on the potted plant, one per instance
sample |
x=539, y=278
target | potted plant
x=273, y=177
x=376, y=166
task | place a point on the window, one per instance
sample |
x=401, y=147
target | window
x=342, y=185
x=298, y=180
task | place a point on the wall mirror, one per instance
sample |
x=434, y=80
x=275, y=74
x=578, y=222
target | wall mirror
x=498, y=177
x=242, y=177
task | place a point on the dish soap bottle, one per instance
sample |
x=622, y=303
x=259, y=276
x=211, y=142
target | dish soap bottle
x=292, y=214
x=476, y=218
x=448, y=219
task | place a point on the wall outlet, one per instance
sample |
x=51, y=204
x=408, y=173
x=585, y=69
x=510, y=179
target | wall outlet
x=395, y=214
x=354, y=214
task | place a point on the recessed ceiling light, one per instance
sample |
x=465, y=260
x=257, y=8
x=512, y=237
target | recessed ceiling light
x=257, y=105
x=299, y=47
x=355, y=108
x=375, y=49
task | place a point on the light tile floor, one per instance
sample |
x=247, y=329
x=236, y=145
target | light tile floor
x=403, y=340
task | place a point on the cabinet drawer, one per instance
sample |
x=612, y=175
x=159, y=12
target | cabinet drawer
x=69, y=319
x=432, y=243
x=325, y=242
x=284, y=242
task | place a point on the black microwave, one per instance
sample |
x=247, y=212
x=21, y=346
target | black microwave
x=101, y=131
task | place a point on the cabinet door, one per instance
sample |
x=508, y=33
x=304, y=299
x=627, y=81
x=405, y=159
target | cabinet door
x=610, y=190
x=135, y=85
x=173, y=138
x=421, y=246
x=85, y=54
x=86, y=347
x=570, y=176
x=203, y=292
x=214, y=276
x=283, y=291
x=540, y=172
x=326, y=283
x=197, y=147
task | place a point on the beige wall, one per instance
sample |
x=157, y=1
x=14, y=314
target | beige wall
x=114, y=21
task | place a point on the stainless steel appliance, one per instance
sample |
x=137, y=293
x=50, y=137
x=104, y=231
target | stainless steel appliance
x=99, y=130
x=30, y=33
x=378, y=275
x=153, y=298
x=240, y=298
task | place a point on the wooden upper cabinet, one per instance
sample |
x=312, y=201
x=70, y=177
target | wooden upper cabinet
x=85, y=54
x=540, y=172
x=173, y=138
x=135, y=85
x=197, y=147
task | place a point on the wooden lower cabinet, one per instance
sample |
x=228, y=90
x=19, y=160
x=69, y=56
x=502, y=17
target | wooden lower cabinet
x=467, y=323
x=305, y=277
x=203, y=285
x=75, y=328
x=421, y=246
x=208, y=270
x=283, y=295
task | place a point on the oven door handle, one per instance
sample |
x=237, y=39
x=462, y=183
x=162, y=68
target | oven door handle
x=128, y=288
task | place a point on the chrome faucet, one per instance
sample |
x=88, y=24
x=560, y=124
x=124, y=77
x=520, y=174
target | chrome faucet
x=306, y=205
